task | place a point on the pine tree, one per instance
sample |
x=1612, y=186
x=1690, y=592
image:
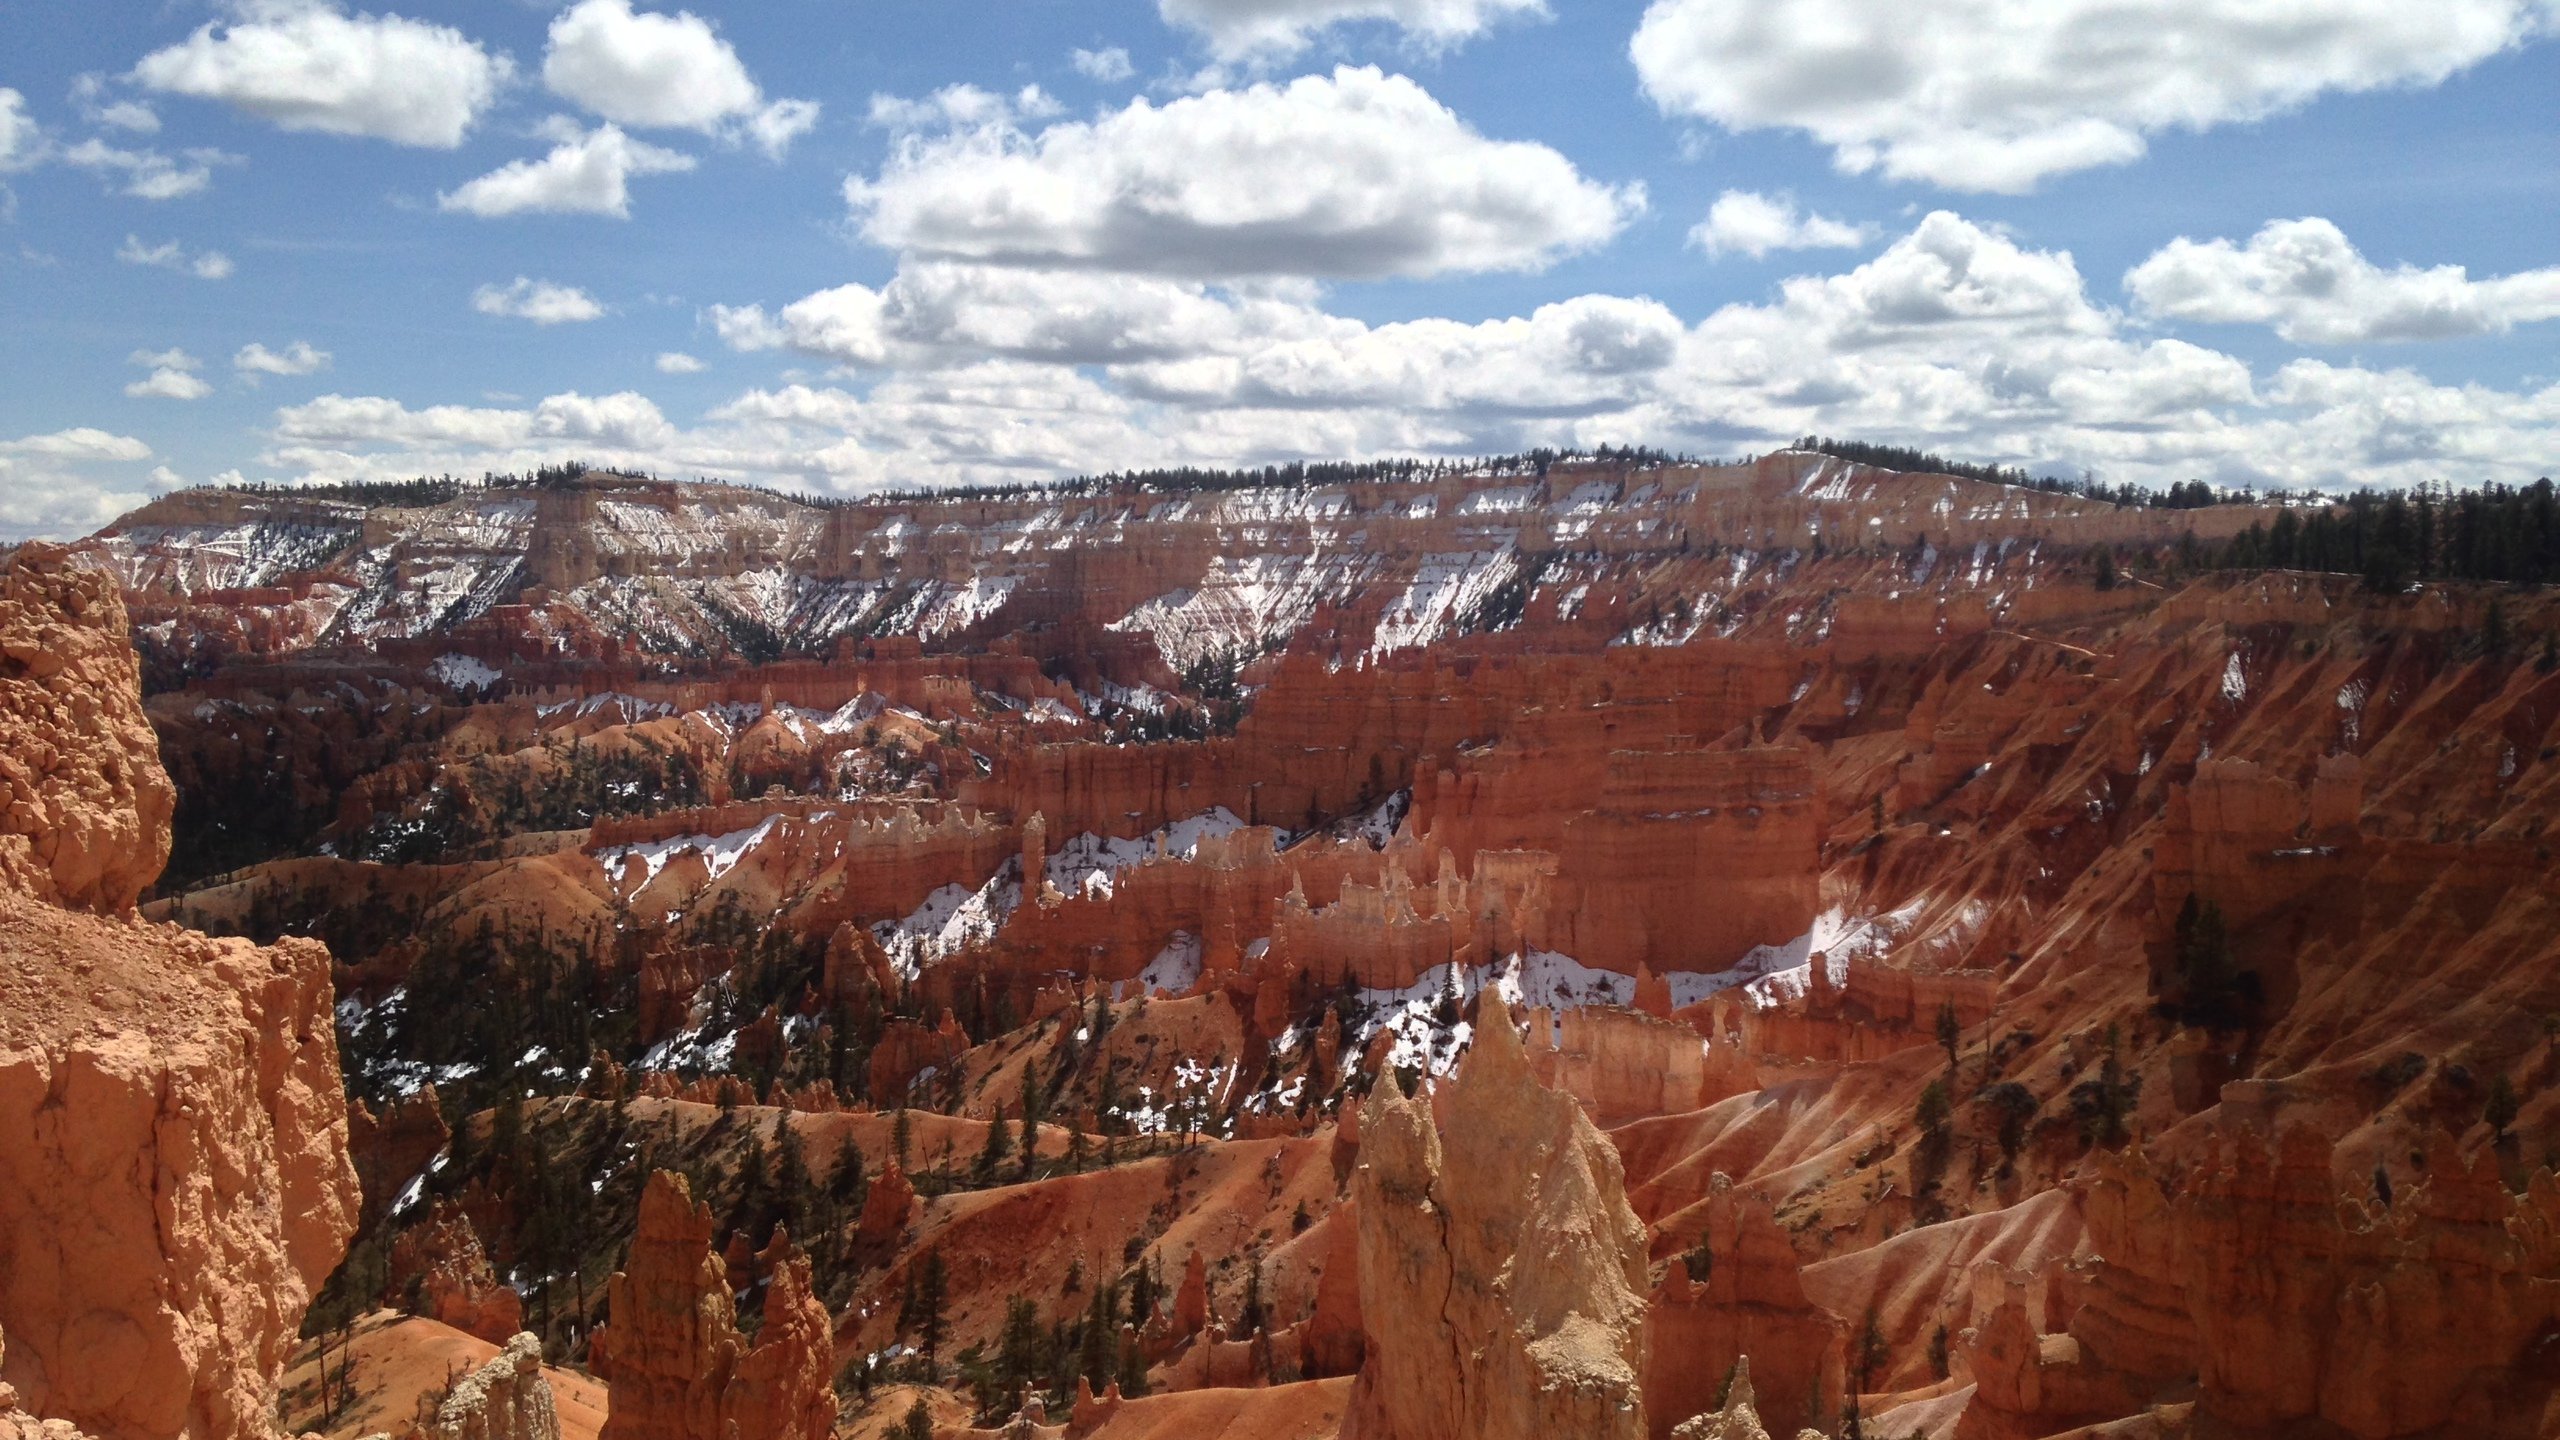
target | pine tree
x=2503, y=1107
x=991, y=1158
x=1133, y=1371
x=1250, y=1318
x=1093, y=1347
x=932, y=1296
x=900, y=1136
x=791, y=1173
x=755, y=1185
x=1950, y=1032
x=850, y=1185
x=919, y=1422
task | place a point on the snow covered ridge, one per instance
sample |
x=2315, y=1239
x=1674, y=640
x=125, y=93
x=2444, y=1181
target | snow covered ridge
x=705, y=568
x=461, y=672
x=1083, y=865
x=720, y=854
x=951, y=920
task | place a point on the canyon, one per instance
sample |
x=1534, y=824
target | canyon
x=1571, y=945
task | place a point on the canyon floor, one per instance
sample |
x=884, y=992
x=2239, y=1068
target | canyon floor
x=1564, y=947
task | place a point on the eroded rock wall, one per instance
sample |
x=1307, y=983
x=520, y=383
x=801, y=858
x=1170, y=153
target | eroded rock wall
x=174, y=1178
x=1501, y=1270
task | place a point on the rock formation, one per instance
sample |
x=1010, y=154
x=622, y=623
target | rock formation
x=174, y=1178
x=442, y=1265
x=1501, y=1272
x=506, y=1399
x=672, y=1354
x=86, y=821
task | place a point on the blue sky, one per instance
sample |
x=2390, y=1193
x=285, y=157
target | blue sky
x=832, y=246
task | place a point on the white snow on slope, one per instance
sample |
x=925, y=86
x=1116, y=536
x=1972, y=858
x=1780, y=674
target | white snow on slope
x=720, y=853
x=1084, y=864
x=462, y=672
x=1176, y=967
x=1444, y=588
x=950, y=920
x=1244, y=604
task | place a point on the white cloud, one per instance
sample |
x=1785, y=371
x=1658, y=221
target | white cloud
x=586, y=173
x=1954, y=335
x=19, y=138
x=1744, y=222
x=204, y=265
x=305, y=66
x=2303, y=279
x=1277, y=29
x=76, y=444
x=148, y=174
x=676, y=362
x=1997, y=95
x=1352, y=174
x=963, y=106
x=774, y=127
x=1105, y=67
x=653, y=71
x=337, y=420
x=539, y=301
x=172, y=376
x=298, y=358
x=49, y=491
x=89, y=92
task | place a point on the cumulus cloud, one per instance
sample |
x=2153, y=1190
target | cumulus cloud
x=172, y=376
x=298, y=358
x=2306, y=281
x=305, y=65
x=1278, y=29
x=19, y=138
x=204, y=264
x=51, y=486
x=539, y=301
x=1954, y=335
x=586, y=173
x=1997, y=95
x=1356, y=173
x=648, y=70
x=78, y=443
x=1104, y=67
x=676, y=362
x=1745, y=222
x=147, y=174
x=89, y=92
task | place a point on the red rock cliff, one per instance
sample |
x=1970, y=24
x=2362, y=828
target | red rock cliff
x=173, y=1146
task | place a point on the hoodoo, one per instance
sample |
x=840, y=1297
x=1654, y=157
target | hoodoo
x=1501, y=1270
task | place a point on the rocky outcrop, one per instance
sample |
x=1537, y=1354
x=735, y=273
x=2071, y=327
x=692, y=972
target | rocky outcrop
x=17, y=1424
x=506, y=1399
x=671, y=1351
x=174, y=1178
x=2285, y=1304
x=1737, y=1417
x=1750, y=1302
x=84, y=803
x=1501, y=1270
x=886, y=1209
x=440, y=1271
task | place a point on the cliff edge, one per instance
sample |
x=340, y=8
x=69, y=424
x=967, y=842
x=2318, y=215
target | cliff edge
x=174, y=1176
